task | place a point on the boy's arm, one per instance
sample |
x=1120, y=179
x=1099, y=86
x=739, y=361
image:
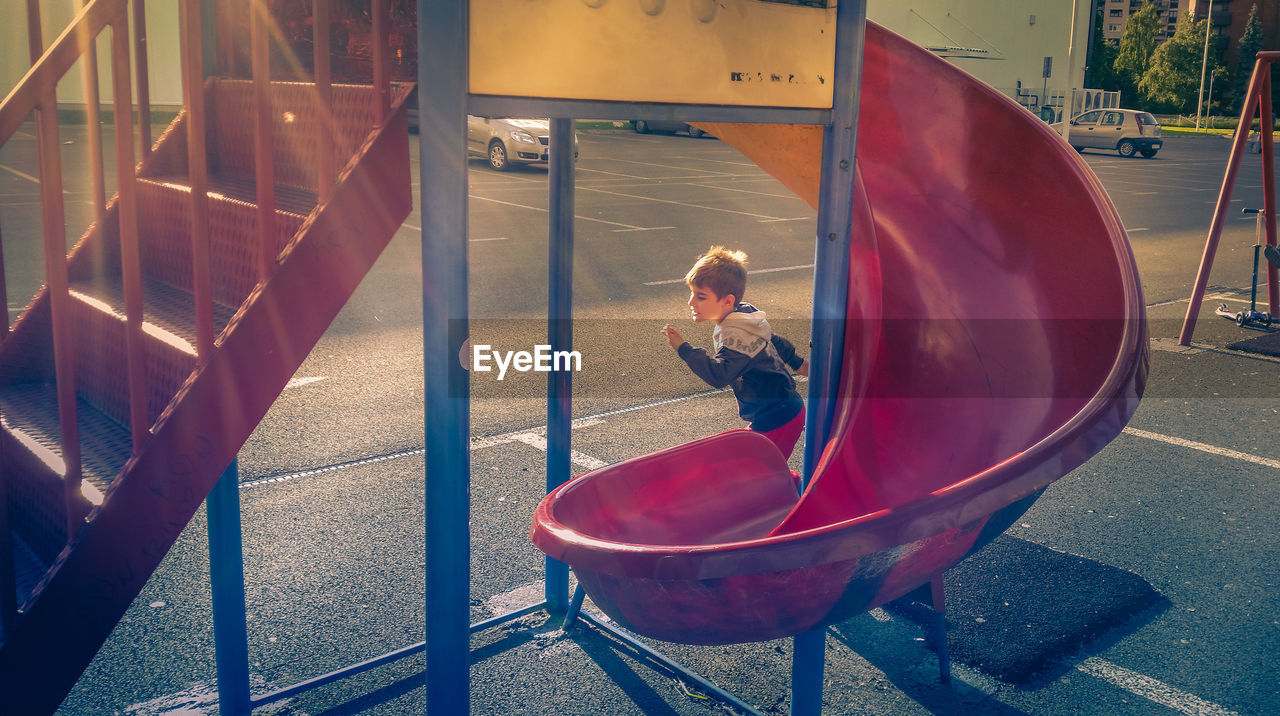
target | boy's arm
x=787, y=352
x=719, y=370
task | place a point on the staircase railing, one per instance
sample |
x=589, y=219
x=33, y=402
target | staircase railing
x=36, y=93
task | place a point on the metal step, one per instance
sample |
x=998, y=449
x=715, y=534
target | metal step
x=169, y=346
x=32, y=460
x=164, y=231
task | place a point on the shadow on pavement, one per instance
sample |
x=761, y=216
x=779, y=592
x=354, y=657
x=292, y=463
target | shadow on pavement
x=1024, y=613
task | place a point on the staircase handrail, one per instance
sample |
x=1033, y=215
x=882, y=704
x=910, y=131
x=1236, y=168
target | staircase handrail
x=42, y=79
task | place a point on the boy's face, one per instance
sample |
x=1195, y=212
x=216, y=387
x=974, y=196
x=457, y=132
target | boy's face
x=707, y=306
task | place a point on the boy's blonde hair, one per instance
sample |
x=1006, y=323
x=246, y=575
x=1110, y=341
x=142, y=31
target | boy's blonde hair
x=722, y=270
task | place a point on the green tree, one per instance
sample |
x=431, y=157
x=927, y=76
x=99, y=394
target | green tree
x=1136, y=47
x=1102, y=61
x=1250, y=43
x=1172, y=82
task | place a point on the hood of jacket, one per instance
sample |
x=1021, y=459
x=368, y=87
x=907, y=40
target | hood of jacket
x=745, y=330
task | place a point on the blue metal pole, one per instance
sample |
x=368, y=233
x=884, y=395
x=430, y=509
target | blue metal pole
x=575, y=607
x=442, y=93
x=835, y=213
x=559, y=333
x=830, y=296
x=226, y=581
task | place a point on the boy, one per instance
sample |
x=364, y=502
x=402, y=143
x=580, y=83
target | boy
x=749, y=357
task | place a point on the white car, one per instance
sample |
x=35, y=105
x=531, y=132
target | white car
x=1127, y=131
x=507, y=142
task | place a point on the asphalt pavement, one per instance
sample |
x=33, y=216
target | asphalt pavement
x=1169, y=529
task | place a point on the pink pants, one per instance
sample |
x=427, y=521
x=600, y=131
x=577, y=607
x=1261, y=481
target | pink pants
x=786, y=436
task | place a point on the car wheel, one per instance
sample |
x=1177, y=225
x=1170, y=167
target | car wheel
x=1148, y=153
x=498, y=156
x=695, y=132
x=642, y=127
x=1127, y=148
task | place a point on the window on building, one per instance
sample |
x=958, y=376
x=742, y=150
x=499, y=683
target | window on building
x=1116, y=13
x=1113, y=28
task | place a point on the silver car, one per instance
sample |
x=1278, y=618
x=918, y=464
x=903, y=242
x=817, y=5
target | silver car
x=507, y=142
x=1126, y=131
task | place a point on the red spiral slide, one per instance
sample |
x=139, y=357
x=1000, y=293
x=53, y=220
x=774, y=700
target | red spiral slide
x=995, y=340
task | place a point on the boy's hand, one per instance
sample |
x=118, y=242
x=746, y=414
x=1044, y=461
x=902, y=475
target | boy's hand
x=803, y=369
x=673, y=336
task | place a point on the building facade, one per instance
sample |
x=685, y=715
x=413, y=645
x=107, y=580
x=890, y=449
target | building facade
x=1020, y=47
x=1024, y=48
x=1115, y=15
x=1230, y=17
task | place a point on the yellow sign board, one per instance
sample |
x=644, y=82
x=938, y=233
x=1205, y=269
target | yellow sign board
x=755, y=53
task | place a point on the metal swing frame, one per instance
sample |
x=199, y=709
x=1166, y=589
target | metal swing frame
x=444, y=103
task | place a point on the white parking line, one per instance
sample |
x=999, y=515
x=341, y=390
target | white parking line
x=583, y=218
x=645, y=228
x=626, y=180
x=1203, y=447
x=601, y=171
x=718, y=161
x=25, y=175
x=540, y=442
x=504, y=438
x=664, y=166
x=768, y=270
x=1115, y=182
x=1151, y=689
x=417, y=228
x=677, y=203
x=747, y=191
x=1208, y=297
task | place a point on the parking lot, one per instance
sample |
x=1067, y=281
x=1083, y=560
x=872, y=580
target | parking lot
x=332, y=481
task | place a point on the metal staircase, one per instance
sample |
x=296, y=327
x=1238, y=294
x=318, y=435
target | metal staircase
x=155, y=347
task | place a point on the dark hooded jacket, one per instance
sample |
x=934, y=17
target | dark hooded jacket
x=752, y=360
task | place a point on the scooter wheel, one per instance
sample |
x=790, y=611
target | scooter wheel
x=1240, y=319
x=1265, y=320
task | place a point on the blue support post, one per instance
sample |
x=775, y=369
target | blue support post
x=559, y=333
x=222, y=512
x=575, y=607
x=226, y=580
x=442, y=100
x=830, y=295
